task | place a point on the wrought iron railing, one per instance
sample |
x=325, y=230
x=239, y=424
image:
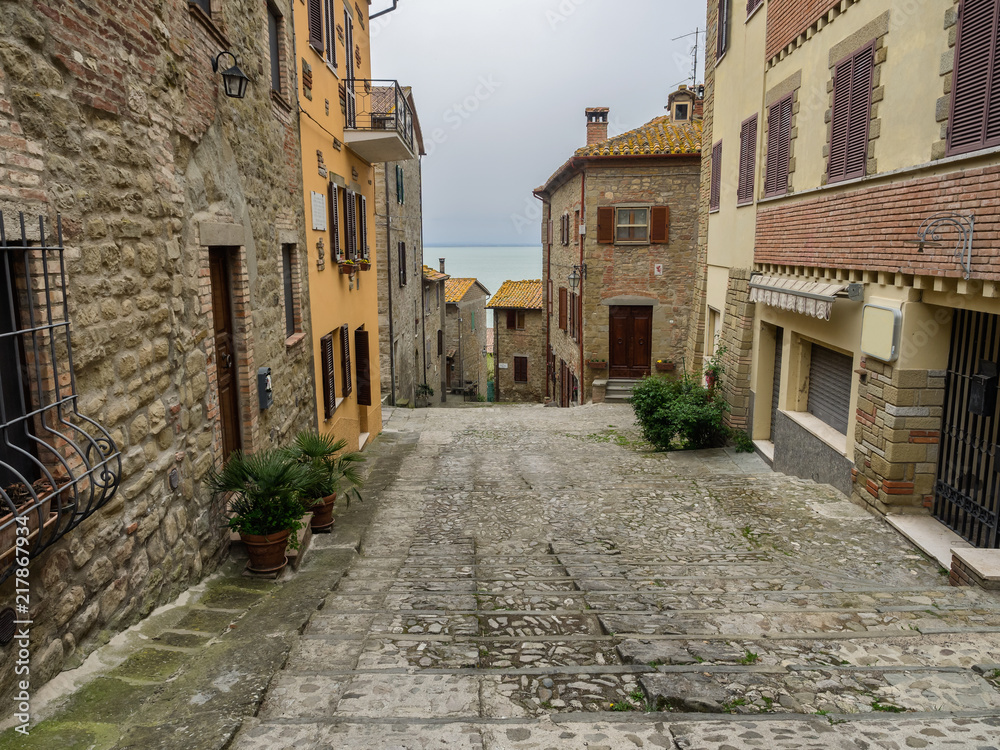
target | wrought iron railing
x=57, y=466
x=379, y=105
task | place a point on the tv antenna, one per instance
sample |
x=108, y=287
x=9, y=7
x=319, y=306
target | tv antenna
x=697, y=34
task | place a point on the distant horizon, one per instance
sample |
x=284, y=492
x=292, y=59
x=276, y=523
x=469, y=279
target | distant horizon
x=477, y=244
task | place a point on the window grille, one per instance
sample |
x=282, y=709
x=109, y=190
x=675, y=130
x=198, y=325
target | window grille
x=57, y=466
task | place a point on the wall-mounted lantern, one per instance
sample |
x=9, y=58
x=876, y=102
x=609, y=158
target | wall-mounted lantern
x=234, y=80
x=579, y=274
x=929, y=235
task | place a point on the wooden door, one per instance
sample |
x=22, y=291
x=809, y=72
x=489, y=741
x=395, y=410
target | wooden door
x=225, y=353
x=563, y=384
x=631, y=347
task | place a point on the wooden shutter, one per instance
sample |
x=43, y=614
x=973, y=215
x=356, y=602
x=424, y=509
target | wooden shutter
x=315, y=9
x=562, y=308
x=852, y=99
x=975, y=106
x=579, y=317
x=748, y=161
x=520, y=369
x=363, y=229
x=659, y=230
x=830, y=378
x=722, y=37
x=779, y=147
x=511, y=320
x=345, y=361
x=752, y=5
x=715, y=196
x=549, y=235
x=548, y=300
x=572, y=314
x=329, y=384
x=333, y=198
x=440, y=342
x=364, y=367
x=331, y=33
x=606, y=225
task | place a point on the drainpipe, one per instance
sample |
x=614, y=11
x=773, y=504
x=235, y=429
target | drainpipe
x=548, y=278
x=388, y=267
x=579, y=312
x=383, y=12
x=461, y=361
x=423, y=290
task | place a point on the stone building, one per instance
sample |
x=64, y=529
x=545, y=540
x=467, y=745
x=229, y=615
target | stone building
x=465, y=335
x=851, y=247
x=519, y=357
x=400, y=250
x=183, y=261
x=435, y=325
x=619, y=271
x=349, y=124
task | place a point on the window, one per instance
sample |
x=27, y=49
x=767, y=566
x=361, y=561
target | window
x=975, y=106
x=400, y=190
x=401, y=251
x=632, y=225
x=748, y=161
x=329, y=376
x=290, y=271
x=520, y=369
x=572, y=315
x=331, y=33
x=779, y=147
x=273, y=28
x=356, y=230
x=752, y=5
x=852, y=104
x=715, y=195
x=831, y=375
x=336, y=249
x=205, y=5
x=548, y=300
x=722, y=41
x=681, y=112
x=562, y=308
x=363, y=227
x=440, y=342
x=315, y=11
x=364, y=367
x=345, y=361
x=515, y=320
x=576, y=228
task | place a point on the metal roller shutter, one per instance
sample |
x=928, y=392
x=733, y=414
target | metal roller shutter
x=830, y=378
x=776, y=386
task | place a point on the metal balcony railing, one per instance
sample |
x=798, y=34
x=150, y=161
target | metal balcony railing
x=379, y=105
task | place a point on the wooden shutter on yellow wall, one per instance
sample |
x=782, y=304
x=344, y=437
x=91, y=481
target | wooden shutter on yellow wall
x=329, y=383
x=364, y=367
x=345, y=360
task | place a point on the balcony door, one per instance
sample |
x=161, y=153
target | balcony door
x=225, y=352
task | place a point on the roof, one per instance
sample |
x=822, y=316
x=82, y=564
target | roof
x=658, y=136
x=456, y=289
x=520, y=295
x=431, y=275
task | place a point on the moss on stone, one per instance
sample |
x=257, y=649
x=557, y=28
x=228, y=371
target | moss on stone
x=149, y=664
x=63, y=735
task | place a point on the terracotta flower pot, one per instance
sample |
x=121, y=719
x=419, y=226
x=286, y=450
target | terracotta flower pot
x=267, y=553
x=322, y=519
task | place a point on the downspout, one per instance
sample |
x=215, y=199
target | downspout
x=496, y=357
x=548, y=300
x=388, y=270
x=383, y=12
x=423, y=290
x=583, y=279
x=461, y=360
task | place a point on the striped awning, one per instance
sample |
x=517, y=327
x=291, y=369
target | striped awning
x=813, y=298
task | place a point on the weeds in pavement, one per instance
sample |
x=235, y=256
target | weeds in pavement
x=886, y=707
x=749, y=657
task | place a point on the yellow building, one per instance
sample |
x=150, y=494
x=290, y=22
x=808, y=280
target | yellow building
x=348, y=122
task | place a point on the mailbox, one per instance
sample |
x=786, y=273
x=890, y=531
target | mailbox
x=983, y=394
x=264, y=389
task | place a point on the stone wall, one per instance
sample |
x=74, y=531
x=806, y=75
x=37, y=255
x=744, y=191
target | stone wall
x=397, y=222
x=111, y=116
x=530, y=343
x=566, y=199
x=898, y=436
x=435, y=319
x=466, y=339
x=737, y=338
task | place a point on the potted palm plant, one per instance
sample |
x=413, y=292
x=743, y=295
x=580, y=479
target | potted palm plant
x=328, y=472
x=265, y=503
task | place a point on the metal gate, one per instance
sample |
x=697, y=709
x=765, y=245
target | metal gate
x=967, y=491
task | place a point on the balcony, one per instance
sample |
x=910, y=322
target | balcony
x=379, y=121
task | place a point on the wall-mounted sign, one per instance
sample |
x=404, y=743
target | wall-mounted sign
x=658, y=269
x=319, y=212
x=502, y=365
x=880, y=330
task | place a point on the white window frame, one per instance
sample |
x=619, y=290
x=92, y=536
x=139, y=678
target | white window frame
x=619, y=225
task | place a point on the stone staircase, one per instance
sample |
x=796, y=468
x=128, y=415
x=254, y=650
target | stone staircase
x=619, y=390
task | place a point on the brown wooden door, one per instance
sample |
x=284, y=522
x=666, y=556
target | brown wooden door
x=631, y=348
x=563, y=384
x=225, y=353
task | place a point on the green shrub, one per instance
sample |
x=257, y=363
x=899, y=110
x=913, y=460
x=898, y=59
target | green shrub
x=743, y=441
x=679, y=413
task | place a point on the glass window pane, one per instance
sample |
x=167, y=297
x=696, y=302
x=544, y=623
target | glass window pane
x=272, y=31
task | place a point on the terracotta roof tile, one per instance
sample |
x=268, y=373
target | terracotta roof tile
x=658, y=136
x=455, y=289
x=521, y=295
x=431, y=275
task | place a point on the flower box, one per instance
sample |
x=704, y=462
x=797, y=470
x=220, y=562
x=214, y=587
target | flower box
x=348, y=269
x=365, y=265
x=597, y=364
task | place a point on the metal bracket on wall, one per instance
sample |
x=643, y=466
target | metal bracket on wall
x=929, y=234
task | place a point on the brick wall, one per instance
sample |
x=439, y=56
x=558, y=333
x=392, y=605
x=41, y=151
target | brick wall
x=786, y=19
x=897, y=436
x=111, y=115
x=866, y=228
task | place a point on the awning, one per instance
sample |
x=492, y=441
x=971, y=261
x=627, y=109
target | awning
x=813, y=298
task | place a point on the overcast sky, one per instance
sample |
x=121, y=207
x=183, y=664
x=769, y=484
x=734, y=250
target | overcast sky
x=501, y=87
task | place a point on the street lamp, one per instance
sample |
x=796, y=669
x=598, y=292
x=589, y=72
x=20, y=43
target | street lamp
x=234, y=80
x=929, y=235
x=579, y=274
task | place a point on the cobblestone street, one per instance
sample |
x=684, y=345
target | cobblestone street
x=533, y=579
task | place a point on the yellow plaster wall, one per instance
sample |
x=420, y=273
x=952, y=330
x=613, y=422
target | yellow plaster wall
x=335, y=298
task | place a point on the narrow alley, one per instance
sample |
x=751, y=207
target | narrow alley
x=531, y=580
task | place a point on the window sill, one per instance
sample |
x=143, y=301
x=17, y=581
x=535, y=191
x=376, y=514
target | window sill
x=294, y=339
x=820, y=430
x=279, y=99
x=209, y=24
x=744, y=204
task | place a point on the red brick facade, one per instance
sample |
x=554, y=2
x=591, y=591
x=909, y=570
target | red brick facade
x=866, y=229
x=786, y=19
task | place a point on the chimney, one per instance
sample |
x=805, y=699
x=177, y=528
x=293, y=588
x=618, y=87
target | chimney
x=597, y=125
x=441, y=263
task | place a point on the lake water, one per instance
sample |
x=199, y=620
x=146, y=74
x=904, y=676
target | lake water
x=491, y=265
